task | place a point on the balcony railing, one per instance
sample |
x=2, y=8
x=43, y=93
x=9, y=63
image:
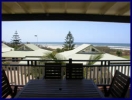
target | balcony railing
x=101, y=72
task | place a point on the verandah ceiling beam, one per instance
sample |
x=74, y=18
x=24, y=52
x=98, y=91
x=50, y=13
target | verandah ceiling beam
x=65, y=16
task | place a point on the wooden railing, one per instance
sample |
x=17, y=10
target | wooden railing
x=101, y=72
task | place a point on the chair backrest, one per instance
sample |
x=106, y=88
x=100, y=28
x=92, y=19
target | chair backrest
x=6, y=88
x=74, y=71
x=53, y=71
x=119, y=85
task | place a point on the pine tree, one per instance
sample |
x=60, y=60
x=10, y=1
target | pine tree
x=69, y=42
x=15, y=40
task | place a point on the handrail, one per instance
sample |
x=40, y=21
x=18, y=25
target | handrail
x=106, y=62
x=65, y=65
x=63, y=60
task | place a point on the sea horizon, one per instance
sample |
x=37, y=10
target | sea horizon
x=76, y=42
x=125, y=46
x=79, y=43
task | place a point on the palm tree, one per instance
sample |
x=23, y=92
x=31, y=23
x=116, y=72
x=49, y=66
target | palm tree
x=6, y=63
x=52, y=56
x=96, y=57
x=48, y=56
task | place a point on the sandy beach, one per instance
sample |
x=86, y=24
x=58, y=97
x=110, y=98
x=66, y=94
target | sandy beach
x=56, y=46
x=60, y=46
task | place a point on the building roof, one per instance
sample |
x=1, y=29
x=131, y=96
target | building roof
x=32, y=46
x=74, y=51
x=74, y=56
x=39, y=52
x=4, y=45
x=6, y=48
x=107, y=56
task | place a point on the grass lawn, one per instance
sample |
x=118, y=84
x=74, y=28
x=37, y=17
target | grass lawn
x=127, y=57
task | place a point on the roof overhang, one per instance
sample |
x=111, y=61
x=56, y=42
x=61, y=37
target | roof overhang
x=69, y=11
x=65, y=17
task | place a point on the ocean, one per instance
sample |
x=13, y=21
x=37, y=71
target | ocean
x=125, y=46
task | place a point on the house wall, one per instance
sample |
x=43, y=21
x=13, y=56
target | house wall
x=12, y=62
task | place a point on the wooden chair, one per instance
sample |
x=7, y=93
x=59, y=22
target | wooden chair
x=53, y=71
x=119, y=86
x=6, y=88
x=74, y=71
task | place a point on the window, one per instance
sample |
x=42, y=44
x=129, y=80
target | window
x=3, y=59
x=14, y=59
x=83, y=51
x=93, y=49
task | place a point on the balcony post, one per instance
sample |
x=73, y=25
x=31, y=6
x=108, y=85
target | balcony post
x=70, y=61
x=31, y=63
x=28, y=62
x=70, y=69
x=35, y=62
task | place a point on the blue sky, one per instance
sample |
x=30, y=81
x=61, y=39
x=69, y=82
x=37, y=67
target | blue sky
x=56, y=31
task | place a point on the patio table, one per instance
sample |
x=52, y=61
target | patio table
x=57, y=88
